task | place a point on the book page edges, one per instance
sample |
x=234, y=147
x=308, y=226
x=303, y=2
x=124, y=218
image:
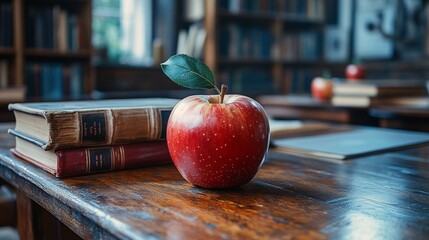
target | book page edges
x=36, y=163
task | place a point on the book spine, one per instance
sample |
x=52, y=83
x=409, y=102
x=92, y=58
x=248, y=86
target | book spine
x=76, y=81
x=8, y=26
x=3, y=24
x=4, y=82
x=81, y=161
x=106, y=127
x=30, y=26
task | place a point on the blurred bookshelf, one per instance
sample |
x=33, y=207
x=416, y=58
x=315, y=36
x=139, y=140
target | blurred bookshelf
x=45, y=49
x=265, y=47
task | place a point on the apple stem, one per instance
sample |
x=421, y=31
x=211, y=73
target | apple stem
x=222, y=92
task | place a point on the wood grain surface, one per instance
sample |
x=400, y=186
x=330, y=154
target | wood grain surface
x=382, y=196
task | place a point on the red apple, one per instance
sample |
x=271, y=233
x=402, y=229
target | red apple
x=321, y=88
x=218, y=145
x=355, y=72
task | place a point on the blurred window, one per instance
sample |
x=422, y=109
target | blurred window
x=122, y=31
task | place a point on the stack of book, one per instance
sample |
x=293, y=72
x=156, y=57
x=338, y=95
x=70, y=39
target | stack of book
x=367, y=93
x=83, y=137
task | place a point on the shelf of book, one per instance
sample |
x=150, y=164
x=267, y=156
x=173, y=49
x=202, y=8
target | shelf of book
x=294, y=8
x=247, y=62
x=304, y=64
x=251, y=39
x=264, y=63
x=46, y=39
x=263, y=17
x=71, y=3
x=6, y=22
x=225, y=15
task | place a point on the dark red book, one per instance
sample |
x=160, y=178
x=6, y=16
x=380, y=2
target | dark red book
x=82, y=161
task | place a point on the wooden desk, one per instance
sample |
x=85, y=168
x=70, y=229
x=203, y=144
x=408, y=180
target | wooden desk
x=306, y=108
x=382, y=196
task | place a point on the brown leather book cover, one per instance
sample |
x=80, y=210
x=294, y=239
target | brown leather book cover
x=93, y=123
x=380, y=88
x=82, y=161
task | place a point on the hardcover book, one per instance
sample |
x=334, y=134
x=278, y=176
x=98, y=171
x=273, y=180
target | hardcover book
x=54, y=125
x=82, y=161
x=380, y=88
x=356, y=101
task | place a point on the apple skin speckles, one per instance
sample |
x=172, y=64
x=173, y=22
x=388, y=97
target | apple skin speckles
x=218, y=145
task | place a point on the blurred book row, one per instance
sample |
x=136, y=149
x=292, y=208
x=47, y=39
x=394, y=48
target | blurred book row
x=52, y=28
x=255, y=81
x=240, y=41
x=191, y=40
x=6, y=24
x=298, y=80
x=4, y=73
x=243, y=41
x=9, y=92
x=43, y=81
x=302, y=46
x=54, y=81
x=308, y=9
x=251, y=81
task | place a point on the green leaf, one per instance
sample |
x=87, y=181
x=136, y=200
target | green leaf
x=189, y=72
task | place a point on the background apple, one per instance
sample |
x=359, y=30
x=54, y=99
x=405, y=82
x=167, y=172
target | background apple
x=218, y=145
x=321, y=88
x=355, y=72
